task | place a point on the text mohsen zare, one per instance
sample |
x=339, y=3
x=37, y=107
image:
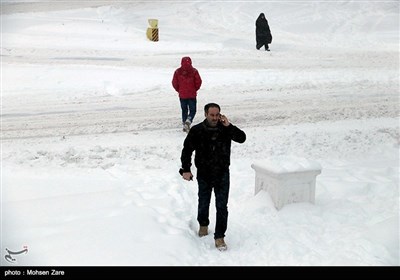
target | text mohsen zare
x=44, y=272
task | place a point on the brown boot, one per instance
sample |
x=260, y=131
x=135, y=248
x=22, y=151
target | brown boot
x=203, y=231
x=220, y=244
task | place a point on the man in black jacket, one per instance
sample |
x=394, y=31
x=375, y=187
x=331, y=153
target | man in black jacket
x=211, y=139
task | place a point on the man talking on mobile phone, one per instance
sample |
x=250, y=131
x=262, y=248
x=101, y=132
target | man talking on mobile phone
x=211, y=139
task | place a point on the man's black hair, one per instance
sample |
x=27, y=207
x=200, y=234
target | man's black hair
x=211, y=105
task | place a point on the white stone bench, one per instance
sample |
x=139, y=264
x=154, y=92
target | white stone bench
x=287, y=179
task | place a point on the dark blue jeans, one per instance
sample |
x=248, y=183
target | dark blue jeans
x=220, y=184
x=188, y=107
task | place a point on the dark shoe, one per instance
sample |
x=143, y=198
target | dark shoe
x=220, y=244
x=203, y=231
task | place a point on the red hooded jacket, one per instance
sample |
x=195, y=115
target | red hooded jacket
x=186, y=80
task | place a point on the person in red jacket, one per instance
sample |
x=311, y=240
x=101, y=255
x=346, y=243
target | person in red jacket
x=187, y=81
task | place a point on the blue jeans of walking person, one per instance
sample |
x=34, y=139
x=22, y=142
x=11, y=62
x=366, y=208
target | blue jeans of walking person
x=220, y=184
x=188, y=107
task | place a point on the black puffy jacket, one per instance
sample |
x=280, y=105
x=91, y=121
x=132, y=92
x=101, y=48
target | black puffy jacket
x=212, y=147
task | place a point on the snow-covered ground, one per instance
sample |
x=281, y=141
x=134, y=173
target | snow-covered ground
x=91, y=134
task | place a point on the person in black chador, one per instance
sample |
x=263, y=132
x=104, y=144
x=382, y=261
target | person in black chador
x=263, y=33
x=211, y=141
